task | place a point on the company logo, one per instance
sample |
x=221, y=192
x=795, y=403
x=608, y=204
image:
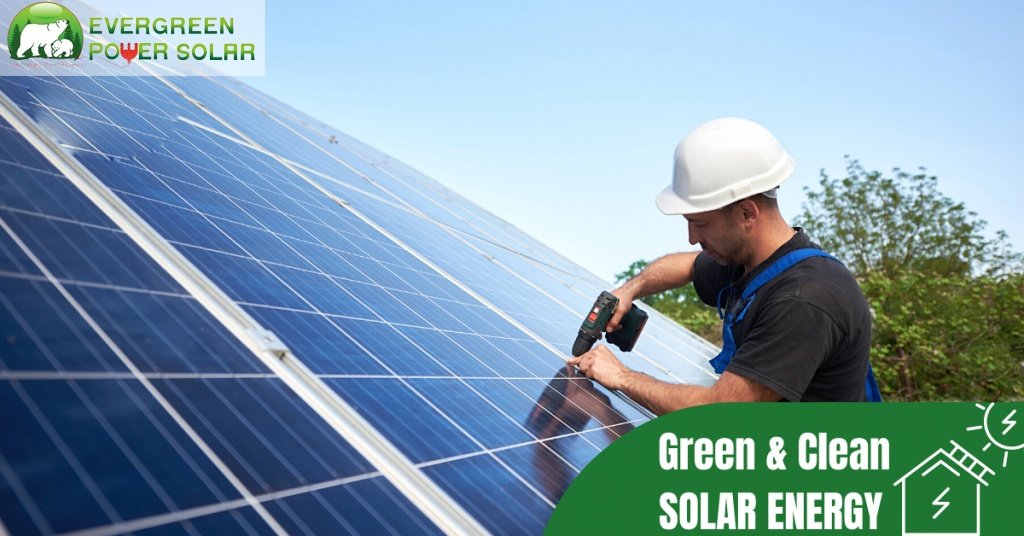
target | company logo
x=188, y=39
x=45, y=30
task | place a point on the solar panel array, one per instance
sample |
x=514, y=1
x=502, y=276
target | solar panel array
x=219, y=315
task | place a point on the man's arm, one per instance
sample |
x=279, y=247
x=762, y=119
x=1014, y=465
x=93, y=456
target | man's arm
x=670, y=271
x=601, y=365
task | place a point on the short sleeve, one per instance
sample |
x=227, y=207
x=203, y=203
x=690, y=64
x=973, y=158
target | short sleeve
x=787, y=343
x=709, y=278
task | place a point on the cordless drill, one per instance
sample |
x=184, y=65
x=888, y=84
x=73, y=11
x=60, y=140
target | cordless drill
x=593, y=325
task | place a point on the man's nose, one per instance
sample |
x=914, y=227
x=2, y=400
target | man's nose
x=694, y=237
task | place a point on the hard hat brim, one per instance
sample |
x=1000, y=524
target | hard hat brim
x=671, y=204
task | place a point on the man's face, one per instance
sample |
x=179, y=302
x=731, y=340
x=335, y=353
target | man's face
x=719, y=234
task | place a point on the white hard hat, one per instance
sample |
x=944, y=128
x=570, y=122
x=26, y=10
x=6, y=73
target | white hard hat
x=722, y=161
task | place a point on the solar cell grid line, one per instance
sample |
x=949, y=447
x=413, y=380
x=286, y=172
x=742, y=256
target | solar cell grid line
x=395, y=191
x=378, y=455
x=493, y=229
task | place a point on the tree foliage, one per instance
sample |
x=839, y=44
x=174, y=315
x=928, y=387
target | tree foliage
x=947, y=300
x=889, y=224
x=939, y=337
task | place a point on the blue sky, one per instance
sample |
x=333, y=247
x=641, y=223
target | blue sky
x=562, y=117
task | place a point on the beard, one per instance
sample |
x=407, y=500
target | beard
x=718, y=259
x=729, y=251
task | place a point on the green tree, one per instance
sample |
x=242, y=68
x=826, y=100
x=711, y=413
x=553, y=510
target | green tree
x=67, y=33
x=878, y=223
x=680, y=304
x=938, y=337
x=947, y=300
x=15, y=42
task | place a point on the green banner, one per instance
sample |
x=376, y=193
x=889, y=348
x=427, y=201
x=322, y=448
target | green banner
x=925, y=468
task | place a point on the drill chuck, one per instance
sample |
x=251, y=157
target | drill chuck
x=584, y=342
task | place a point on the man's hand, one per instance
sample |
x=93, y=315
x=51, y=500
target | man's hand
x=601, y=365
x=626, y=297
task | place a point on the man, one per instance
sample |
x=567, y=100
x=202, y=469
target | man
x=796, y=325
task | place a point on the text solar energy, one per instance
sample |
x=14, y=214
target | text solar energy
x=218, y=315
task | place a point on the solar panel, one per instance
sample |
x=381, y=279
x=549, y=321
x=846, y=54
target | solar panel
x=126, y=405
x=279, y=328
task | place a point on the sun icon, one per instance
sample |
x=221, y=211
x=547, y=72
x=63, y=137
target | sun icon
x=1003, y=426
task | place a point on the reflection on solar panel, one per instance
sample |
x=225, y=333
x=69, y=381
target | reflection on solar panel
x=220, y=316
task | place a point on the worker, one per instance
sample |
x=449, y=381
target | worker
x=796, y=325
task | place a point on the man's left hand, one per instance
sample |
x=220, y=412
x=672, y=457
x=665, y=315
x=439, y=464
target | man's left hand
x=601, y=365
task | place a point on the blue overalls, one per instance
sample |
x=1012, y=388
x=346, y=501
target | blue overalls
x=734, y=314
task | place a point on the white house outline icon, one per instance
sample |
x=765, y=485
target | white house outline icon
x=958, y=457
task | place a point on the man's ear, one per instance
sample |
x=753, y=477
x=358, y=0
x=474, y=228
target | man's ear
x=748, y=209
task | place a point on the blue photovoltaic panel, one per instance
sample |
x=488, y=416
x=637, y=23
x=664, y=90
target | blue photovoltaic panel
x=271, y=245
x=88, y=443
x=425, y=351
x=271, y=293
x=676, y=350
x=673, y=349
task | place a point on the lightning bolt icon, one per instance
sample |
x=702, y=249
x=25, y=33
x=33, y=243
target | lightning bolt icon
x=939, y=502
x=1009, y=422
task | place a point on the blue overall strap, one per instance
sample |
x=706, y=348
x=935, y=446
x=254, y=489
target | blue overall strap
x=784, y=263
x=731, y=317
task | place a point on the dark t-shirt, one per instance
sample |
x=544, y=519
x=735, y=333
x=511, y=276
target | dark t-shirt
x=807, y=333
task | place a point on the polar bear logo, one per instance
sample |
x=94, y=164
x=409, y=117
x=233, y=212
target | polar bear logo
x=37, y=37
x=61, y=48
